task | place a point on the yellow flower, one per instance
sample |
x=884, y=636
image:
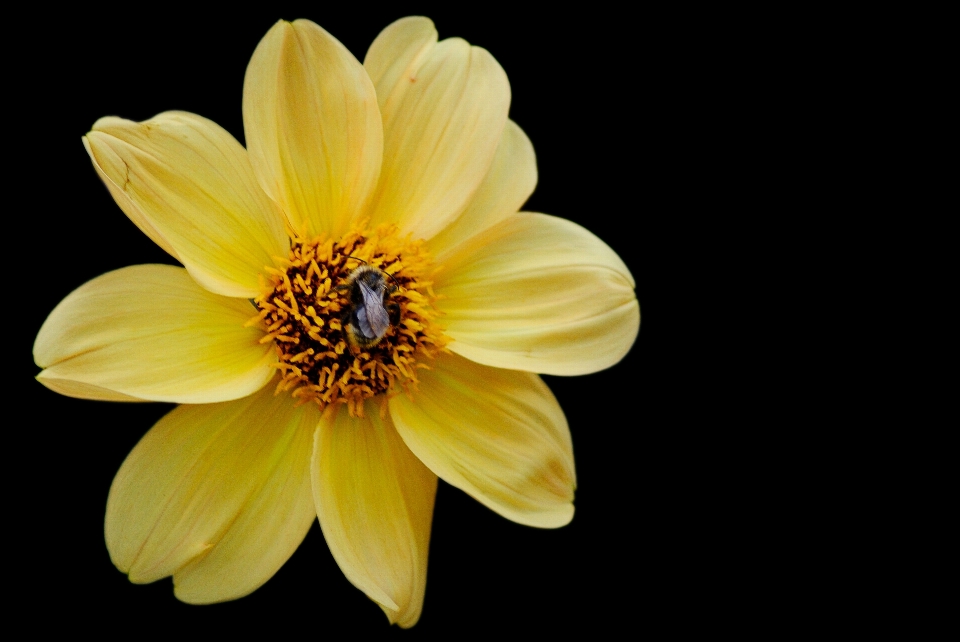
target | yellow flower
x=306, y=394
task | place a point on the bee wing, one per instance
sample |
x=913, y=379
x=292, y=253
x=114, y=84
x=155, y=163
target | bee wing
x=373, y=317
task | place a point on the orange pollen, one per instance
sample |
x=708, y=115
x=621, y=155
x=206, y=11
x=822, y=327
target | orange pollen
x=338, y=341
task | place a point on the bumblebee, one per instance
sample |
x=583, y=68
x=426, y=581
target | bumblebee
x=370, y=313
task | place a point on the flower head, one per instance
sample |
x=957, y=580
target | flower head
x=361, y=310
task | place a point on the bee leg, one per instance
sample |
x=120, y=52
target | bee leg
x=346, y=319
x=393, y=309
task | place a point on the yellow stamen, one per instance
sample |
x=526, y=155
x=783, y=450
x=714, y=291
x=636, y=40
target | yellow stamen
x=305, y=307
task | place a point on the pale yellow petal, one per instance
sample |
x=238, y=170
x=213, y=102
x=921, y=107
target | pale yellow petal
x=499, y=435
x=398, y=51
x=444, y=107
x=82, y=390
x=313, y=128
x=188, y=184
x=126, y=203
x=375, y=503
x=150, y=332
x=505, y=188
x=539, y=293
x=217, y=495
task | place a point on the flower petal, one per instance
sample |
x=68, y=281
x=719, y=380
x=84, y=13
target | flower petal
x=218, y=495
x=150, y=332
x=84, y=390
x=375, y=503
x=313, y=128
x=504, y=189
x=444, y=107
x=539, y=293
x=188, y=184
x=499, y=435
x=398, y=51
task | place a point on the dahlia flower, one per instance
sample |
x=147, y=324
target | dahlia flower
x=362, y=309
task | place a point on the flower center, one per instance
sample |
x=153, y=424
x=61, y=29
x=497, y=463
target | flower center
x=350, y=319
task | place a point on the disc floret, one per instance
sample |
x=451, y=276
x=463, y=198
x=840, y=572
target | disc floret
x=305, y=310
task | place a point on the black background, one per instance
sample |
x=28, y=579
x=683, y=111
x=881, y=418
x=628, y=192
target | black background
x=612, y=104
